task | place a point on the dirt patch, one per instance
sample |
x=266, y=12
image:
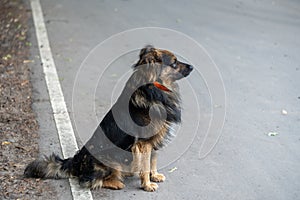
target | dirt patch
x=18, y=125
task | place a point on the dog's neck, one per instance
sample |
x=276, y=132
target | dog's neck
x=151, y=73
x=160, y=86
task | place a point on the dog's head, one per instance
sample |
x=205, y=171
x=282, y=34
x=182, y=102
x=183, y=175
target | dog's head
x=163, y=63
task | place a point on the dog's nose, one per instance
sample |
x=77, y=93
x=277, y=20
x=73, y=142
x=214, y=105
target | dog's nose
x=190, y=67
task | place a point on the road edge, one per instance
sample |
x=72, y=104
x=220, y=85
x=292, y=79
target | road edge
x=60, y=113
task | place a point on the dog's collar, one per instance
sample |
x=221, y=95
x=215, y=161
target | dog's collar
x=160, y=86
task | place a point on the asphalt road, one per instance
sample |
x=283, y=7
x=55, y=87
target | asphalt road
x=255, y=45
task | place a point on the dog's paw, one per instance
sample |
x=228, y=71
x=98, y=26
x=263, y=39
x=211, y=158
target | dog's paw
x=151, y=187
x=113, y=184
x=157, y=177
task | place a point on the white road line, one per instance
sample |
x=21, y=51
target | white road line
x=60, y=112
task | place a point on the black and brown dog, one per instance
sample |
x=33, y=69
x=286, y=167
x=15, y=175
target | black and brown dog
x=126, y=140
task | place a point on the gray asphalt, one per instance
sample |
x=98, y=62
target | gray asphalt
x=255, y=45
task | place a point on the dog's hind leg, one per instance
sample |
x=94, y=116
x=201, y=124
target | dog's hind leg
x=93, y=175
x=114, y=180
x=91, y=183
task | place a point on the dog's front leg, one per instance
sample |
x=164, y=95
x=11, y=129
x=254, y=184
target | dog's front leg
x=155, y=176
x=142, y=151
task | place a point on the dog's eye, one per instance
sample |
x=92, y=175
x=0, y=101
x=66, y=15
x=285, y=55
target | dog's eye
x=174, y=64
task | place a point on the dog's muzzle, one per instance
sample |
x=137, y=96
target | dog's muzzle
x=187, y=70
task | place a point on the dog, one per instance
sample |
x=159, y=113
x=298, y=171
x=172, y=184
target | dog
x=126, y=141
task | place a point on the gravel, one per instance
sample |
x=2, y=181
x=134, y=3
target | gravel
x=18, y=125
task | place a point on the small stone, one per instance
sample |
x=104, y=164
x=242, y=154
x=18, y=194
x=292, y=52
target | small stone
x=172, y=170
x=284, y=112
x=6, y=143
x=272, y=134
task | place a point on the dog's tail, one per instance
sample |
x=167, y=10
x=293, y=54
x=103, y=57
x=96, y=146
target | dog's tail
x=49, y=167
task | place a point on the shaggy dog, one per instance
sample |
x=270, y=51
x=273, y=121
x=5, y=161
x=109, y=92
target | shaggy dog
x=126, y=140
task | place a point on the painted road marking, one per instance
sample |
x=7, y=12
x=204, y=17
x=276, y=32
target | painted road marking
x=62, y=119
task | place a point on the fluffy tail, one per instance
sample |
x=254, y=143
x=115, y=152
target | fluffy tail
x=49, y=167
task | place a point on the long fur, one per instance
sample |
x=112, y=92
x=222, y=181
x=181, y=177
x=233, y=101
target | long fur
x=48, y=167
x=102, y=159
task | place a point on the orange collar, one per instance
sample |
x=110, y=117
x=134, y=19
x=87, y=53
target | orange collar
x=161, y=86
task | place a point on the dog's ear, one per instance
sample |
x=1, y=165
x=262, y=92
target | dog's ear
x=147, y=56
x=145, y=50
